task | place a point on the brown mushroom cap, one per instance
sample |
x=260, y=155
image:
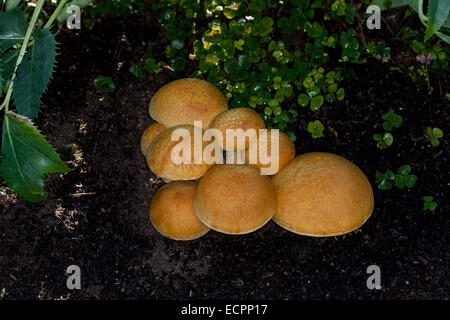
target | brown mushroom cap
x=149, y=135
x=234, y=199
x=322, y=194
x=172, y=212
x=159, y=156
x=286, y=152
x=237, y=118
x=187, y=100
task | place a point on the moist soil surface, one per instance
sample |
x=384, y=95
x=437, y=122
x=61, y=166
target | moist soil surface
x=96, y=216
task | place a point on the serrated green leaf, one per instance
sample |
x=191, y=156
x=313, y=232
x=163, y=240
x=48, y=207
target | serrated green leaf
x=27, y=157
x=13, y=26
x=437, y=14
x=34, y=73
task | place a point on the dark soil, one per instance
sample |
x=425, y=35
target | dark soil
x=97, y=215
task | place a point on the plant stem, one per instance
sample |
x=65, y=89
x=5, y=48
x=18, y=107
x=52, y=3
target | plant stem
x=23, y=49
x=422, y=16
x=55, y=14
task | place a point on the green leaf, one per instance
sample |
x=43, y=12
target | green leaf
x=437, y=133
x=316, y=102
x=390, y=4
x=137, y=71
x=378, y=177
x=410, y=181
x=303, y=100
x=385, y=185
x=404, y=169
x=244, y=62
x=388, y=139
x=443, y=36
x=292, y=136
x=12, y=4
x=399, y=181
x=34, y=73
x=7, y=63
x=340, y=94
x=387, y=125
x=389, y=175
x=397, y=121
x=427, y=198
x=27, y=157
x=13, y=26
x=268, y=110
x=432, y=206
x=177, y=44
x=106, y=83
x=437, y=14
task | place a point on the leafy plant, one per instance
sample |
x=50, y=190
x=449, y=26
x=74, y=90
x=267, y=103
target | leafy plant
x=434, y=134
x=150, y=65
x=436, y=21
x=384, y=140
x=234, y=45
x=316, y=129
x=27, y=58
x=105, y=83
x=391, y=120
x=429, y=204
x=115, y=7
x=401, y=179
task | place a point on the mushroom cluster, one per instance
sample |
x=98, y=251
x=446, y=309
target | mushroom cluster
x=315, y=194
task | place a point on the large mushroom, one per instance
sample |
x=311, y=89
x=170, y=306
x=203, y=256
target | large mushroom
x=186, y=100
x=239, y=119
x=168, y=155
x=322, y=194
x=234, y=199
x=172, y=212
x=284, y=149
x=149, y=135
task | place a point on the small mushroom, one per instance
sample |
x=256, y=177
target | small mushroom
x=235, y=119
x=149, y=135
x=234, y=199
x=186, y=100
x=322, y=194
x=160, y=155
x=172, y=212
x=285, y=150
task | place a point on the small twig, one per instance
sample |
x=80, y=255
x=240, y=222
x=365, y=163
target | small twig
x=82, y=194
x=388, y=26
